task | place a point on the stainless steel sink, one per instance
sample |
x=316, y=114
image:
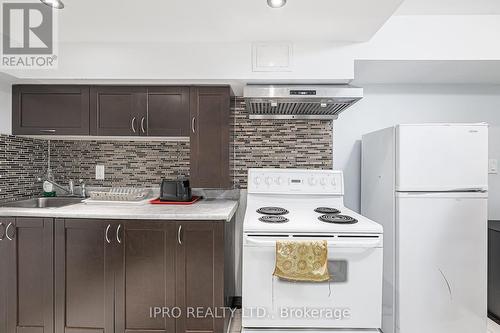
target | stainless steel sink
x=43, y=202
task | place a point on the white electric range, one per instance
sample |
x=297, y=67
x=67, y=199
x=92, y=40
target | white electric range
x=293, y=204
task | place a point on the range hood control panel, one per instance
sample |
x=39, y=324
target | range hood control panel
x=302, y=92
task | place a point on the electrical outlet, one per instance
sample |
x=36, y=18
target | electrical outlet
x=99, y=172
x=493, y=166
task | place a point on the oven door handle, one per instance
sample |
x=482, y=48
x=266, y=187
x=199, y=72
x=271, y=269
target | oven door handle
x=264, y=242
x=364, y=244
x=361, y=244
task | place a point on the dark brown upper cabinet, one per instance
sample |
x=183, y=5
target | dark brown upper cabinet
x=118, y=111
x=27, y=282
x=50, y=110
x=139, y=111
x=209, y=111
x=168, y=111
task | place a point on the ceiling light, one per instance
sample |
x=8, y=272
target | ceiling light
x=58, y=4
x=276, y=3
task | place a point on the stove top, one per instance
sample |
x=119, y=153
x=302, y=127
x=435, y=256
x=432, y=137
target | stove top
x=302, y=217
x=272, y=211
x=337, y=218
x=327, y=210
x=273, y=219
x=301, y=201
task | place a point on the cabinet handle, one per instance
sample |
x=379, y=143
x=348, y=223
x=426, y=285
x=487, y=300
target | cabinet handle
x=7, y=232
x=142, y=125
x=179, y=235
x=107, y=234
x=48, y=131
x=118, y=234
x=3, y=236
x=133, y=125
x=193, y=124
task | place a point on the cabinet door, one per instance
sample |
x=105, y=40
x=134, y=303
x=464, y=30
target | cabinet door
x=3, y=277
x=494, y=271
x=210, y=137
x=84, y=276
x=48, y=109
x=29, y=275
x=200, y=275
x=145, y=276
x=117, y=110
x=168, y=111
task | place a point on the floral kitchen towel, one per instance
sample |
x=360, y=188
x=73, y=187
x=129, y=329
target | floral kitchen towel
x=302, y=260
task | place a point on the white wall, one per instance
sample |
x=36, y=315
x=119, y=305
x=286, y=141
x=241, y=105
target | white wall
x=419, y=37
x=387, y=105
x=5, y=107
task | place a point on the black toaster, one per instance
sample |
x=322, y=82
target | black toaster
x=175, y=190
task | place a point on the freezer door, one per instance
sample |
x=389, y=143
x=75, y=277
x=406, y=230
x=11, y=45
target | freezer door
x=441, y=157
x=441, y=264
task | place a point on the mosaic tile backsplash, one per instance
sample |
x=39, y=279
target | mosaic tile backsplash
x=306, y=144
x=127, y=163
x=22, y=162
x=254, y=143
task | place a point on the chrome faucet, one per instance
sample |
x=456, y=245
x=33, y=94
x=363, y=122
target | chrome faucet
x=84, y=188
x=71, y=187
x=70, y=190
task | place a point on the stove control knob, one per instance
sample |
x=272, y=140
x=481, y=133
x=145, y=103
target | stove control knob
x=257, y=180
x=279, y=180
x=334, y=183
x=323, y=181
x=269, y=180
x=312, y=181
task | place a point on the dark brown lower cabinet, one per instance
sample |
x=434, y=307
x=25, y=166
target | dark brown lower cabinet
x=28, y=296
x=145, y=276
x=200, y=276
x=3, y=277
x=100, y=276
x=84, y=276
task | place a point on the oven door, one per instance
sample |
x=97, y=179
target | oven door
x=351, y=299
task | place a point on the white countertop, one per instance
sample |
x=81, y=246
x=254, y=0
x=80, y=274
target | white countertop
x=206, y=209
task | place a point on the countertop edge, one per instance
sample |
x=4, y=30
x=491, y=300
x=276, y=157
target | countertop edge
x=57, y=213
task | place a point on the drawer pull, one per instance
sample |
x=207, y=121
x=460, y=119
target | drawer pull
x=133, y=125
x=48, y=131
x=179, y=240
x=107, y=234
x=118, y=234
x=7, y=232
x=142, y=125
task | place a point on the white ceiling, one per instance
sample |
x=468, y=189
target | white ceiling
x=157, y=21
x=427, y=72
x=449, y=7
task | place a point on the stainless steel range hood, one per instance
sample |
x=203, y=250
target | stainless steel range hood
x=299, y=101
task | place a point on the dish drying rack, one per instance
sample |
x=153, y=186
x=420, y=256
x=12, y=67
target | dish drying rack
x=119, y=194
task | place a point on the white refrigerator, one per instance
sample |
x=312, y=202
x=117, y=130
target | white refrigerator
x=427, y=185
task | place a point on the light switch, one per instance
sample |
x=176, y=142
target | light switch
x=493, y=166
x=99, y=172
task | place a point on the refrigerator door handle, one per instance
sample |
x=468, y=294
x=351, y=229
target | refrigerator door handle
x=447, y=283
